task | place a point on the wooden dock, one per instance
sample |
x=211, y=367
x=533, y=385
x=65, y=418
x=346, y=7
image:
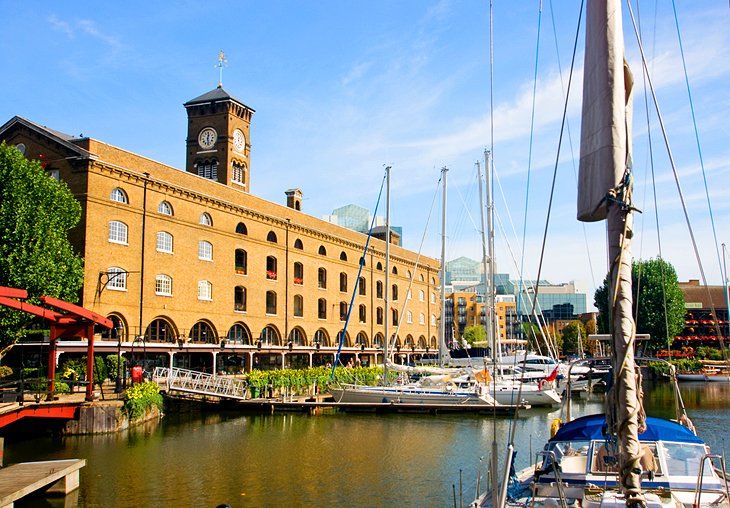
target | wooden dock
x=53, y=476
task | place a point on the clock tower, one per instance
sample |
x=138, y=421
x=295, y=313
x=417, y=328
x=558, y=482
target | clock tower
x=218, y=143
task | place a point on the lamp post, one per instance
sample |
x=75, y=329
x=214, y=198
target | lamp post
x=118, y=386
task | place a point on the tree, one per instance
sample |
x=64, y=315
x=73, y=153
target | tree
x=573, y=335
x=474, y=334
x=654, y=281
x=36, y=213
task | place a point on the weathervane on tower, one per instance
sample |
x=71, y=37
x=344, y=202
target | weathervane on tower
x=221, y=63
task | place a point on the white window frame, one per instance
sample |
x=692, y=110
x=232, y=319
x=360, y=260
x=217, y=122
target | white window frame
x=164, y=242
x=421, y=295
x=422, y=319
x=205, y=290
x=206, y=219
x=163, y=285
x=118, y=232
x=117, y=278
x=409, y=317
x=165, y=208
x=205, y=250
x=119, y=196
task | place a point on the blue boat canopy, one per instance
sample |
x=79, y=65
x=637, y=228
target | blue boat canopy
x=591, y=427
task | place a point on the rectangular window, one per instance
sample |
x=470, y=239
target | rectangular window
x=205, y=290
x=164, y=242
x=117, y=232
x=205, y=250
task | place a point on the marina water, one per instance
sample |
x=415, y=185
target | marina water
x=329, y=459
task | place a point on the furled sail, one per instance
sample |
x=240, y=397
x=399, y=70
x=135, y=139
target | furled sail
x=604, y=192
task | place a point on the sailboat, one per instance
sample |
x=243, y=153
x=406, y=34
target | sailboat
x=620, y=458
x=443, y=386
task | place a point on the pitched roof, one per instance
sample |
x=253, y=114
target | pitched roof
x=215, y=95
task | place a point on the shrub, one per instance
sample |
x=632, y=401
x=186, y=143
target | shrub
x=5, y=371
x=141, y=397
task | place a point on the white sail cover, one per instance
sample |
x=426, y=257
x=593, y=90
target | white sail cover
x=605, y=145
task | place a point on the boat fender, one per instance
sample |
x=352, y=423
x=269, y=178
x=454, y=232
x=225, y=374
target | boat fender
x=554, y=426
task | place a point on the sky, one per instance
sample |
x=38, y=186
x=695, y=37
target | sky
x=343, y=88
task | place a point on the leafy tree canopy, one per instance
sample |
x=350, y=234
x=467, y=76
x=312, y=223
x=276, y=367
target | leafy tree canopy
x=36, y=213
x=474, y=334
x=574, y=334
x=654, y=281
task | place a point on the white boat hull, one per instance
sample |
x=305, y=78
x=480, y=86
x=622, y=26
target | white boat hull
x=405, y=395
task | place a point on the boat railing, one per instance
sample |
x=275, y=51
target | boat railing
x=192, y=381
x=554, y=467
x=708, y=457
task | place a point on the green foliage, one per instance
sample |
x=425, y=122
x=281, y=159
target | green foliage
x=654, y=281
x=100, y=373
x=73, y=368
x=708, y=353
x=141, y=397
x=36, y=213
x=5, y=371
x=112, y=361
x=573, y=337
x=474, y=334
x=533, y=336
x=687, y=365
x=299, y=380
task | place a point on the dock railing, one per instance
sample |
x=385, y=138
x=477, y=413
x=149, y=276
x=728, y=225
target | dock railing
x=192, y=381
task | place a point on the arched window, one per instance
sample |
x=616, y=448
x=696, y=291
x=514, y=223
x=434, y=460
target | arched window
x=433, y=297
x=422, y=319
x=117, y=278
x=241, y=261
x=361, y=339
x=409, y=317
x=270, y=336
x=239, y=299
x=379, y=289
x=408, y=274
x=394, y=313
x=118, y=232
x=362, y=287
x=297, y=338
x=298, y=244
x=238, y=171
x=164, y=208
x=208, y=169
x=344, y=341
x=395, y=270
x=270, y=302
x=206, y=219
x=379, y=266
x=205, y=290
x=343, y=256
x=420, y=277
x=205, y=250
x=159, y=330
x=363, y=313
x=343, y=282
x=421, y=295
x=271, y=237
x=322, y=278
x=343, y=311
x=202, y=333
x=433, y=319
x=298, y=306
x=378, y=340
x=433, y=281
x=321, y=308
x=238, y=334
x=321, y=337
x=395, y=292
x=163, y=285
x=298, y=273
x=379, y=316
x=241, y=228
x=322, y=251
x=271, y=272
x=119, y=196
x=164, y=242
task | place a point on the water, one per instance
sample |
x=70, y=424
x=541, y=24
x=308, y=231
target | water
x=330, y=459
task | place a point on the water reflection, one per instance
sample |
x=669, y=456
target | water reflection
x=326, y=460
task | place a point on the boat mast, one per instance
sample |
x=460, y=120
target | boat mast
x=605, y=192
x=492, y=297
x=442, y=319
x=727, y=297
x=386, y=301
x=485, y=263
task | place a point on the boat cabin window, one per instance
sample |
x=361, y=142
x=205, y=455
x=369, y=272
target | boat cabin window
x=605, y=458
x=571, y=455
x=684, y=459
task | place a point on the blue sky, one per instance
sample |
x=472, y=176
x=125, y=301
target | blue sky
x=342, y=88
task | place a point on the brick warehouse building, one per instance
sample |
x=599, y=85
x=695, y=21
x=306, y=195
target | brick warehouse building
x=197, y=272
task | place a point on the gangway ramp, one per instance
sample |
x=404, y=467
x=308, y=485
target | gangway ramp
x=200, y=383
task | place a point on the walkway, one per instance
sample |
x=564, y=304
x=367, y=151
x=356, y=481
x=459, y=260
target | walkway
x=191, y=381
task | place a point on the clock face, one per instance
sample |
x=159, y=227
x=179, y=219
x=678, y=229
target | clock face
x=207, y=138
x=239, y=140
